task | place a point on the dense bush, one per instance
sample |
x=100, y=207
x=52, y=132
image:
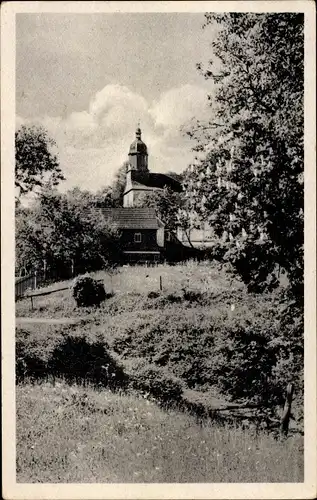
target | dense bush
x=253, y=361
x=78, y=360
x=180, y=341
x=158, y=383
x=27, y=363
x=88, y=292
x=72, y=358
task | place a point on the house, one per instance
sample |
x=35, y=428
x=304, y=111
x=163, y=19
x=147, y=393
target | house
x=144, y=237
x=142, y=233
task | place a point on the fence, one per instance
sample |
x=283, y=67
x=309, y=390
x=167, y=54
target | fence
x=44, y=277
x=30, y=282
x=25, y=283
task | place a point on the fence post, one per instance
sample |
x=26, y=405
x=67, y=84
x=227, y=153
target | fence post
x=44, y=269
x=287, y=410
x=72, y=268
x=161, y=284
x=35, y=279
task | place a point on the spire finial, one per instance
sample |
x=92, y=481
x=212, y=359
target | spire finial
x=138, y=131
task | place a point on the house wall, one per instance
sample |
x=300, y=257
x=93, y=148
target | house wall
x=128, y=198
x=148, y=240
x=198, y=237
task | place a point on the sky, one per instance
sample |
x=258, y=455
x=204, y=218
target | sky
x=89, y=79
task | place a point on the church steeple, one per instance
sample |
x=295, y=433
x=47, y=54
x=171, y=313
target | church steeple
x=138, y=155
x=138, y=132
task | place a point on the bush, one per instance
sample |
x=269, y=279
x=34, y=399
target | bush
x=253, y=361
x=154, y=381
x=71, y=358
x=77, y=360
x=88, y=292
x=27, y=364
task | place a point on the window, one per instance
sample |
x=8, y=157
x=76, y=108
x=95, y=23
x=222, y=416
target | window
x=137, y=237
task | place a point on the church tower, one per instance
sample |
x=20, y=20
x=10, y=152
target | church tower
x=138, y=155
x=140, y=181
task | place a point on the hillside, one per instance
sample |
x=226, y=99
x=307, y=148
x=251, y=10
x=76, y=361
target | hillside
x=180, y=346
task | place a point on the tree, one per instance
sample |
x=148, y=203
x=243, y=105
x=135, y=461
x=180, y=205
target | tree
x=248, y=174
x=118, y=185
x=60, y=228
x=36, y=161
x=166, y=204
x=104, y=198
x=171, y=208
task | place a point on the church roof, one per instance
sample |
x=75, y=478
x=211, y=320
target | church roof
x=132, y=218
x=148, y=181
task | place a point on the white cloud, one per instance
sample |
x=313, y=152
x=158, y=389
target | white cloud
x=178, y=106
x=94, y=143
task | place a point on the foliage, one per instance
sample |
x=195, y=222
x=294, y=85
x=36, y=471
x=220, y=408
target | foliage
x=118, y=185
x=72, y=358
x=88, y=292
x=61, y=228
x=104, y=198
x=27, y=362
x=166, y=204
x=249, y=353
x=78, y=360
x=36, y=161
x=158, y=383
x=248, y=176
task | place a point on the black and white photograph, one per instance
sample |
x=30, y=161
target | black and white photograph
x=163, y=302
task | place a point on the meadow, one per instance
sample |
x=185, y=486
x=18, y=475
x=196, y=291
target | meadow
x=75, y=434
x=149, y=416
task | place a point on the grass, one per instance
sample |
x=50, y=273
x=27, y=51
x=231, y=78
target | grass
x=75, y=434
x=132, y=280
x=69, y=433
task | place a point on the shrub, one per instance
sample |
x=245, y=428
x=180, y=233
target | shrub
x=174, y=297
x=253, y=361
x=88, y=292
x=27, y=364
x=78, y=360
x=154, y=381
x=193, y=295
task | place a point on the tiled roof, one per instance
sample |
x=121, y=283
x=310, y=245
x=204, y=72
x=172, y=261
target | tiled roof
x=132, y=218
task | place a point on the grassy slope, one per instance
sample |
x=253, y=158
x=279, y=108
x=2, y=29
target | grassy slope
x=132, y=280
x=155, y=323
x=72, y=434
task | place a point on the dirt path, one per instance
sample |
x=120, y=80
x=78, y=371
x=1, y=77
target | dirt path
x=50, y=321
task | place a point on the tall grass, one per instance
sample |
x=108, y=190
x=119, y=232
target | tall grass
x=72, y=434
